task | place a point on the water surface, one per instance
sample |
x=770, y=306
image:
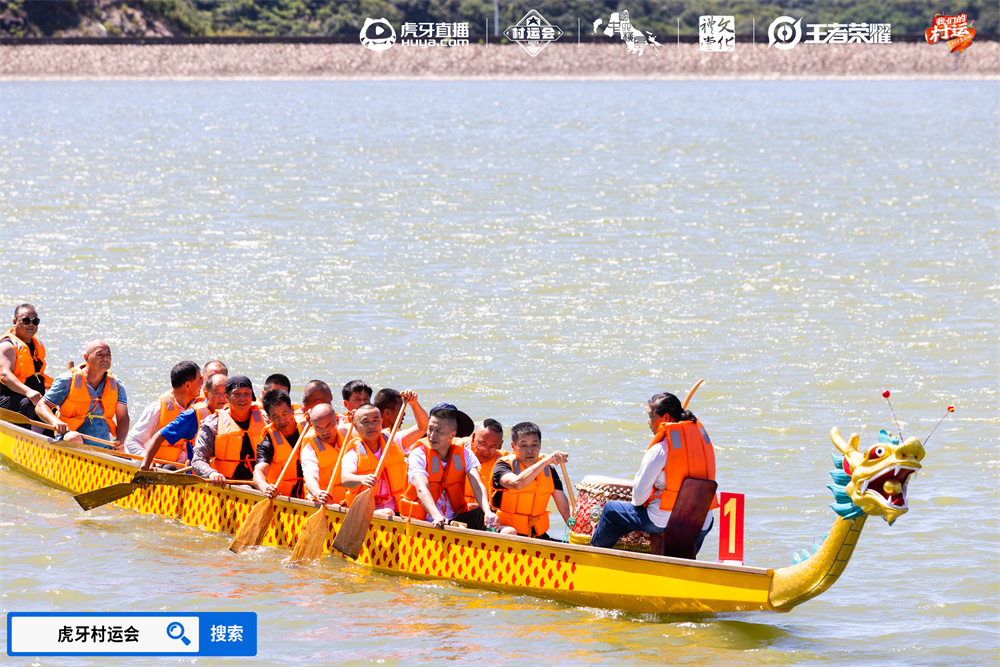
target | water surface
x=554, y=252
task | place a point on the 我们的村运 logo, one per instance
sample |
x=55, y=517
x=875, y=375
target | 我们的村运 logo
x=956, y=31
x=379, y=35
x=620, y=24
x=785, y=32
x=533, y=33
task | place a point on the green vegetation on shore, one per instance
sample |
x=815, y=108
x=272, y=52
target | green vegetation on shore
x=206, y=18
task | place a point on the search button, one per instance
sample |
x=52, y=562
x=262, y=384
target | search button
x=176, y=631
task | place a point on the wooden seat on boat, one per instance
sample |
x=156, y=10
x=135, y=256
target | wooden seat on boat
x=686, y=519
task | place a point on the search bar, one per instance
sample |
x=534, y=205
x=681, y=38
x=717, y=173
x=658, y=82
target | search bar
x=154, y=633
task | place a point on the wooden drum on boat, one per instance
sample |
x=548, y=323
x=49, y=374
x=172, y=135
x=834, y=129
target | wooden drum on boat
x=593, y=492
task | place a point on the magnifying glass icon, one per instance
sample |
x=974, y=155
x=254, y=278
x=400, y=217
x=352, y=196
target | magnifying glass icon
x=176, y=631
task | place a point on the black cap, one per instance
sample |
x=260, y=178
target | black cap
x=465, y=424
x=238, y=381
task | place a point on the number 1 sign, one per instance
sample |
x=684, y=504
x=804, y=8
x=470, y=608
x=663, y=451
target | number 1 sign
x=731, y=533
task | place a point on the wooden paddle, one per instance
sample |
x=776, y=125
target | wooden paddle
x=353, y=531
x=569, y=491
x=18, y=418
x=687, y=400
x=252, y=532
x=106, y=494
x=313, y=534
x=109, y=494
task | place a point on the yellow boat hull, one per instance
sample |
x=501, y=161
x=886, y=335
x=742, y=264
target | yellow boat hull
x=588, y=576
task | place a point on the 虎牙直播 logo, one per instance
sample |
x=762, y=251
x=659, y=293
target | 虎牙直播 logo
x=377, y=34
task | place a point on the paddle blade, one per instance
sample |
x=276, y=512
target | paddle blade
x=353, y=531
x=165, y=478
x=310, y=543
x=252, y=532
x=105, y=495
x=13, y=417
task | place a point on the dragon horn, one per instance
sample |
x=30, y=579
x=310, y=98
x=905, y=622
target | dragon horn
x=848, y=449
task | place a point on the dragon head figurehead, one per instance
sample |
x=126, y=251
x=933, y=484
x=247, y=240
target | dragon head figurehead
x=879, y=476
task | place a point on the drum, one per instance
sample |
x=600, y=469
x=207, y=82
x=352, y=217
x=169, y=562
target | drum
x=592, y=494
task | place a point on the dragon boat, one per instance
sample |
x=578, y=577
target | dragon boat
x=869, y=483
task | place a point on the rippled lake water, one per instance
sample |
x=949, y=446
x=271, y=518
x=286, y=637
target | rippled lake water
x=545, y=251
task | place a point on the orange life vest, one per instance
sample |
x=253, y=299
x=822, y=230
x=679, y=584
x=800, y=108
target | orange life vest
x=394, y=470
x=201, y=409
x=327, y=456
x=77, y=406
x=229, y=442
x=169, y=409
x=689, y=454
x=527, y=509
x=24, y=362
x=485, y=474
x=451, y=480
x=292, y=480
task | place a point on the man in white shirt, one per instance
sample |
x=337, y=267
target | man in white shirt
x=437, y=491
x=185, y=387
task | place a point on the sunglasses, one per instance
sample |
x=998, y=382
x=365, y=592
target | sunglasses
x=29, y=320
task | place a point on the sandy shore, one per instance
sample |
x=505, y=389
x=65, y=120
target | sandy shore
x=558, y=61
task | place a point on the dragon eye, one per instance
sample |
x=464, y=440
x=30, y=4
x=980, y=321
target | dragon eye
x=876, y=452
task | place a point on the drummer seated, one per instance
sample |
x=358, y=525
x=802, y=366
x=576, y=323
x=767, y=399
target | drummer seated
x=524, y=483
x=652, y=499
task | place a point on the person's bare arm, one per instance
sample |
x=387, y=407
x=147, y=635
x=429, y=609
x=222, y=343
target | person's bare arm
x=414, y=433
x=151, y=449
x=434, y=515
x=122, y=422
x=260, y=472
x=562, y=504
x=479, y=493
x=8, y=359
x=528, y=475
x=45, y=413
x=349, y=476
